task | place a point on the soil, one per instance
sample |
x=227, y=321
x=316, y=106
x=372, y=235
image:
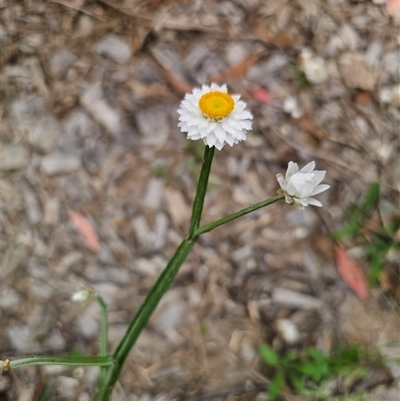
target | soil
x=97, y=184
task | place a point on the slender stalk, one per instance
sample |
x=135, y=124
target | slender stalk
x=240, y=213
x=141, y=318
x=160, y=287
x=103, y=331
x=59, y=360
x=201, y=191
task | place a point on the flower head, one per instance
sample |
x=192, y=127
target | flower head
x=288, y=330
x=300, y=186
x=82, y=296
x=215, y=116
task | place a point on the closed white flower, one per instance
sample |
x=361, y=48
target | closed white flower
x=83, y=295
x=288, y=330
x=300, y=186
x=215, y=116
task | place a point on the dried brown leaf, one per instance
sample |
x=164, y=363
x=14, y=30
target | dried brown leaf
x=179, y=84
x=237, y=71
x=307, y=125
x=153, y=4
x=279, y=38
x=363, y=97
x=355, y=73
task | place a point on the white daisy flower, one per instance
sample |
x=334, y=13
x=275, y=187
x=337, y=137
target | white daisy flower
x=215, y=116
x=299, y=186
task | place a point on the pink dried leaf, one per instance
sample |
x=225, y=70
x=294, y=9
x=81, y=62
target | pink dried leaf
x=86, y=230
x=392, y=7
x=263, y=96
x=351, y=272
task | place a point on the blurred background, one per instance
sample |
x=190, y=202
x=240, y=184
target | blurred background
x=97, y=184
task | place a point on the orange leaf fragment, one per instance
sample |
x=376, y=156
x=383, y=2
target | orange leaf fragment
x=392, y=7
x=351, y=272
x=262, y=95
x=279, y=38
x=363, y=97
x=238, y=70
x=179, y=84
x=307, y=125
x=86, y=230
x=154, y=3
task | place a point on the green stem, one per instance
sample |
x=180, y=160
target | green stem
x=103, y=331
x=160, y=287
x=60, y=360
x=201, y=191
x=141, y=318
x=240, y=213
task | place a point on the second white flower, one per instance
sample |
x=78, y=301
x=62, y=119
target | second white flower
x=300, y=185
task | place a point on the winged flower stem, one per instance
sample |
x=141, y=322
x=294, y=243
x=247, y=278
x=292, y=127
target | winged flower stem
x=201, y=191
x=58, y=360
x=160, y=287
x=103, y=331
x=240, y=213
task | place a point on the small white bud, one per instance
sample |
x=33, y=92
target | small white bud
x=82, y=296
x=287, y=330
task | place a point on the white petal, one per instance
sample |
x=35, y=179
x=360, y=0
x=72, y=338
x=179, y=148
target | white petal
x=228, y=128
x=293, y=168
x=210, y=140
x=306, y=189
x=308, y=168
x=281, y=181
x=290, y=188
x=314, y=202
x=229, y=140
x=219, y=133
x=219, y=145
x=319, y=188
x=246, y=125
x=301, y=203
x=194, y=137
x=318, y=177
x=210, y=128
x=244, y=115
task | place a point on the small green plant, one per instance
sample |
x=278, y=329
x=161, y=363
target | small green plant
x=301, y=78
x=377, y=242
x=159, y=171
x=308, y=371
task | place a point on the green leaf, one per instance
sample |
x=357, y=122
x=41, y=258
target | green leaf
x=45, y=394
x=289, y=359
x=311, y=369
x=316, y=354
x=347, y=231
x=371, y=197
x=297, y=383
x=276, y=386
x=376, y=267
x=394, y=225
x=269, y=356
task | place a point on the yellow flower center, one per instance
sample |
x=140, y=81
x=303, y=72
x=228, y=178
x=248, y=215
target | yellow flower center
x=216, y=105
